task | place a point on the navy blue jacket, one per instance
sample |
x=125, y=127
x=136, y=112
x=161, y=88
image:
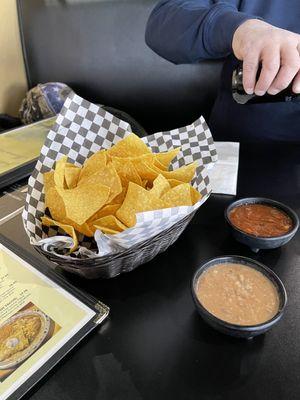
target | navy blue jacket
x=188, y=31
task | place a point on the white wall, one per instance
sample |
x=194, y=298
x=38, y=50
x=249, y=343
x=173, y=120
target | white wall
x=13, y=83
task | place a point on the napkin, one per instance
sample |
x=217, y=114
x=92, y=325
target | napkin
x=224, y=173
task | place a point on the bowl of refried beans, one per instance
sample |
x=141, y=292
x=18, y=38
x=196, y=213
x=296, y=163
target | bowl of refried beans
x=238, y=296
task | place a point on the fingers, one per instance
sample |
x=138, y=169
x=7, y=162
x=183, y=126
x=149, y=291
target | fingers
x=250, y=66
x=270, y=57
x=290, y=64
x=296, y=82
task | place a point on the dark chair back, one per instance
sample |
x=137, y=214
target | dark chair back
x=98, y=48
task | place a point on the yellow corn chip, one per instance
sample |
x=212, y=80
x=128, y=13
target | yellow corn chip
x=109, y=209
x=70, y=165
x=93, y=164
x=137, y=200
x=147, y=158
x=147, y=170
x=51, y=200
x=85, y=228
x=174, y=182
x=59, y=172
x=106, y=230
x=126, y=171
x=48, y=180
x=106, y=176
x=119, y=198
x=183, y=174
x=55, y=204
x=67, y=228
x=110, y=222
x=160, y=186
x=166, y=158
x=72, y=176
x=130, y=146
x=84, y=201
x=195, y=195
x=159, y=165
x=178, y=196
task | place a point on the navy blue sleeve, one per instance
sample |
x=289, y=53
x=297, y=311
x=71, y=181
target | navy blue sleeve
x=187, y=31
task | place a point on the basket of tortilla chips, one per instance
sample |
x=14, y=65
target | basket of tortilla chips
x=102, y=201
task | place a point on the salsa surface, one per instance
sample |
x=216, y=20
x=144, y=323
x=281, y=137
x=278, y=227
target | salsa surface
x=238, y=294
x=261, y=220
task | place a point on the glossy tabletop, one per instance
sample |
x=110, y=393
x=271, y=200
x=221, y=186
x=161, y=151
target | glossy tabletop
x=155, y=345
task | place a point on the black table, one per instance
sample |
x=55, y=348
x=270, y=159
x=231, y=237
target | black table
x=155, y=346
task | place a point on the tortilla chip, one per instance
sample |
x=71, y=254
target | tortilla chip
x=166, y=157
x=48, y=180
x=130, y=146
x=159, y=165
x=126, y=171
x=147, y=171
x=55, y=204
x=174, y=182
x=71, y=176
x=70, y=165
x=107, y=230
x=110, y=222
x=84, y=201
x=107, y=176
x=85, y=228
x=67, y=228
x=195, y=195
x=109, y=209
x=136, y=161
x=184, y=174
x=119, y=198
x=59, y=172
x=93, y=164
x=160, y=186
x=178, y=196
x=137, y=200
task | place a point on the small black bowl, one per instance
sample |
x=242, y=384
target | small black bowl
x=258, y=242
x=240, y=331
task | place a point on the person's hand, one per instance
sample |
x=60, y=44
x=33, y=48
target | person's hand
x=278, y=51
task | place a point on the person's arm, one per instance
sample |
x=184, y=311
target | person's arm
x=187, y=31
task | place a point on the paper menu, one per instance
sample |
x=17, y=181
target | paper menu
x=23, y=144
x=38, y=321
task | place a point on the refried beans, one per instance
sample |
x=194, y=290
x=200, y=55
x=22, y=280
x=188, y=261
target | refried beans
x=261, y=220
x=237, y=294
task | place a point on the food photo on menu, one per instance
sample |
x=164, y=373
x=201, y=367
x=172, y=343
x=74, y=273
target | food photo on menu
x=149, y=200
x=22, y=335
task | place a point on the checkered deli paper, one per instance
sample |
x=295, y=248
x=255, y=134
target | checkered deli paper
x=83, y=128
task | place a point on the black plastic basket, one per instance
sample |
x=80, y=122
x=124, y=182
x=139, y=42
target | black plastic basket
x=115, y=264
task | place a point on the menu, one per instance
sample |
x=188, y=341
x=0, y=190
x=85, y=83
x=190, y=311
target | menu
x=41, y=319
x=21, y=145
x=19, y=150
x=12, y=201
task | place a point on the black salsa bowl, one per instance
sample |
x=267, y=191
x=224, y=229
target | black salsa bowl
x=258, y=242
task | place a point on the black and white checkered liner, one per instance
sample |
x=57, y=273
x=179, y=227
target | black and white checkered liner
x=81, y=129
x=195, y=141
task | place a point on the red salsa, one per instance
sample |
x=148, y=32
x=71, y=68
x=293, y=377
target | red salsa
x=261, y=220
